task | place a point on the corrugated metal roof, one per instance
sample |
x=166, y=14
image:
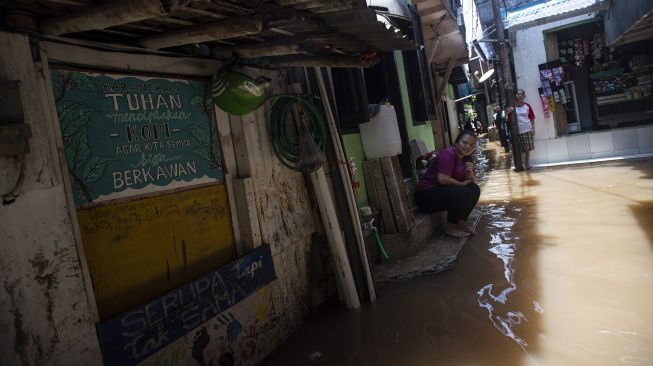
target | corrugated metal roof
x=328, y=32
x=547, y=9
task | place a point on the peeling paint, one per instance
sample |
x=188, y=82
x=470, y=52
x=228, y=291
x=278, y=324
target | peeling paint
x=20, y=336
x=49, y=280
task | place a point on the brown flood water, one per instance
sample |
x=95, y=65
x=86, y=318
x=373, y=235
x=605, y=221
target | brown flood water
x=561, y=273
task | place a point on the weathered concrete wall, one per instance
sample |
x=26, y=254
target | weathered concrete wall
x=47, y=305
x=529, y=52
x=45, y=316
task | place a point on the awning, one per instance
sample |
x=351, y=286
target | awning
x=628, y=21
x=544, y=12
x=443, y=38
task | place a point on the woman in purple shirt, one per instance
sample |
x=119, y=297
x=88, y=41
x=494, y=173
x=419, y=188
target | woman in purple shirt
x=449, y=185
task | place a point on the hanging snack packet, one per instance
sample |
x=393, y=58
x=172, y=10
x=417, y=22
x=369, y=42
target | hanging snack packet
x=545, y=104
x=558, y=74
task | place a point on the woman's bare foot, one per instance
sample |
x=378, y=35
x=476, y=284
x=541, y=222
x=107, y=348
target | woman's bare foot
x=462, y=225
x=454, y=231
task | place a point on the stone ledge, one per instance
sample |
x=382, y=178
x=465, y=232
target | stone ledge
x=436, y=255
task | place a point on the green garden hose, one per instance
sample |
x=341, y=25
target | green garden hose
x=381, y=248
x=289, y=152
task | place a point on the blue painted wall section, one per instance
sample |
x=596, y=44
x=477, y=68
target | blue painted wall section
x=133, y=336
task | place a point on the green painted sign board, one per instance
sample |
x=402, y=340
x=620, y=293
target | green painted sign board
x=127, y=135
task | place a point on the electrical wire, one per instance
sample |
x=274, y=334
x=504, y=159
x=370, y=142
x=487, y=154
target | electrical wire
x=295, y=154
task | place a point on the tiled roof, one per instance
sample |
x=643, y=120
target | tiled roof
x=546, y=9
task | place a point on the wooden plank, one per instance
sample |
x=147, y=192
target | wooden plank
x=227, y=145
x=233, y=210
x=321, y=61
x=243, y=165
x=250, y=230
x=103, y=16
x=222, y=29
x=388, y=222
x=369, y=183
x=394, y=194
x=445, y=81
x=250, y=124
x=407, y=199
x=87, y=57
x=61, y=168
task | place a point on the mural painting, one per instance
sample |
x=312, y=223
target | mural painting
x=240, y=336
x=127, y=135
x=198, y=308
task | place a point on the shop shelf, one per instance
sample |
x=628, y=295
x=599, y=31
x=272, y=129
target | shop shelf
x=608, y=93
x=607, y=73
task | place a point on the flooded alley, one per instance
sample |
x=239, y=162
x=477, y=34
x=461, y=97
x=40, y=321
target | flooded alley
x=560, y=274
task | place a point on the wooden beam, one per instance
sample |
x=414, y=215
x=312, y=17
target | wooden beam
x=200, y=12
x=435, y=44
x=258, y=50
x=424, y=7
x=437, y=15
x=222, y=29
x=321, y=61
x=86, y=57
x=445, y=81
x=104, y=16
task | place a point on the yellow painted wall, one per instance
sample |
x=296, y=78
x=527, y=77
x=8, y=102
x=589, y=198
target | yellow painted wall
x=141, y=249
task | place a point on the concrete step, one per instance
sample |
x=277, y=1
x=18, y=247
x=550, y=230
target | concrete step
x=402, y=245
x=435, y=254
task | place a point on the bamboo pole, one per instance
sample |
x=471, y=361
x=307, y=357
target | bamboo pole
x=346, y=181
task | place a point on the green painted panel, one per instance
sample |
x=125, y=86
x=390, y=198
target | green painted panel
x=423, y=131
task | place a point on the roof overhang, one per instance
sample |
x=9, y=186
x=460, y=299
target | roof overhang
x=443, y=38
x=627, y=22
x=345, y=33
x=550, y=11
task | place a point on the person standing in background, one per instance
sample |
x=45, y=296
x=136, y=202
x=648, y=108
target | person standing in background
x=525, y=118
x=500, y=122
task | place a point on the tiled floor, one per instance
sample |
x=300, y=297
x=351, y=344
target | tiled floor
x=593, y=160
x=587, y=147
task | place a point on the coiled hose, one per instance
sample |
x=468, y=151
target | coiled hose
x=305, y=153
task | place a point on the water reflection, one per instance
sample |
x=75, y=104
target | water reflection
x=559, y=274
x=504, y=249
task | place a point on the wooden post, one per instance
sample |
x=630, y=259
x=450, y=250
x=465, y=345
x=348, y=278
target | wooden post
x=445, y=80
x=374, y=175
x=248, y=224
x=347, y=186
x=394, y=194
x=507, y=88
